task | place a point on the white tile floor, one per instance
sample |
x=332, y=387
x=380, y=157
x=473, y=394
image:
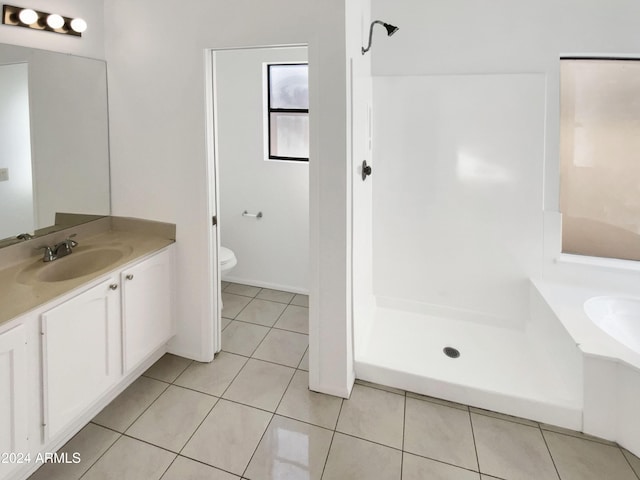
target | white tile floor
x=250, y=415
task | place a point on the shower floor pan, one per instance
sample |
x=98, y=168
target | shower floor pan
x=498, y=369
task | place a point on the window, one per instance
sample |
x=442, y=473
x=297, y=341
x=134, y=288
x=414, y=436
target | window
x=600, y=157
x=288, y=111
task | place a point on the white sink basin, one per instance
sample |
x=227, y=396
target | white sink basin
x=619, y=317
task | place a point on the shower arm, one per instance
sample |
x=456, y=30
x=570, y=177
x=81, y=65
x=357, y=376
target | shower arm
x=365, y=50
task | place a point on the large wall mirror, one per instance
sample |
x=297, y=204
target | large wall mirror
x=54, y=144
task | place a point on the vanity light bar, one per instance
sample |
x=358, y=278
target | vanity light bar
x=28, y=18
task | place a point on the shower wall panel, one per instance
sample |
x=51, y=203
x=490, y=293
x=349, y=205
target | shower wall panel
x=458, y=193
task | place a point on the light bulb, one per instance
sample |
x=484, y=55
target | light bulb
x=28, y=16
x=78, y=25
x=55, y=21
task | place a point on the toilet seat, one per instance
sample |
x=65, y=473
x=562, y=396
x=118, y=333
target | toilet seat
x=226, y=258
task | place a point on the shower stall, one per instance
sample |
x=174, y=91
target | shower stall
x=457, y=232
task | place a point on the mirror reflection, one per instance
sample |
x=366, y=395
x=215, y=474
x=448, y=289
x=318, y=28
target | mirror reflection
x=53, y=141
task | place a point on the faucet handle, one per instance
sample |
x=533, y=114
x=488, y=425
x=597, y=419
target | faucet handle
x=71, y=243
x=48, y=253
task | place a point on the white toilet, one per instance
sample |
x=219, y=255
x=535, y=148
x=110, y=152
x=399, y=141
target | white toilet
x=227, y=259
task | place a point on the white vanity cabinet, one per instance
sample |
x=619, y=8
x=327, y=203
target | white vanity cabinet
x=146, y=308
x=81, y=354
x=96, y=340
x=13, y=396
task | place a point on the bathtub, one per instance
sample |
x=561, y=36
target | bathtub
x=605, y=326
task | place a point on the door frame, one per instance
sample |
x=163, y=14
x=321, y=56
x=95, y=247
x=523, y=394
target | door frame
x=211, y=331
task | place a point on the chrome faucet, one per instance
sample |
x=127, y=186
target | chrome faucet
x=59, y=250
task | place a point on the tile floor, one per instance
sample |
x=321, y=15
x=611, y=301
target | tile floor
x=250, y=415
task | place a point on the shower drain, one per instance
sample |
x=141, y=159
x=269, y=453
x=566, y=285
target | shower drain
x=451, y=352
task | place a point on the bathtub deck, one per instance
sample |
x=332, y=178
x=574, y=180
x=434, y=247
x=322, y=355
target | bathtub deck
x=499, y=369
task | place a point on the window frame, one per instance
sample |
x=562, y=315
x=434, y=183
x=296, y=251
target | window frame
x=270, y=110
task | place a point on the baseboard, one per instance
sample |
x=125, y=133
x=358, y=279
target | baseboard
x=262, y=284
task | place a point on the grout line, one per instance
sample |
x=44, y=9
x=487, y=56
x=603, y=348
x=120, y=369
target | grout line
x=306, y=422
x=333, y=436
x=637, y=474
x=198, y=427
x=335, y=427
x=549, y=450
x=266, y=335
x=210, y=410
x=251, y=406
x=326, y=459
x=207, y=464
x=401, y=394
x=507, y=418
x=150, y=443
x=580, y=436
x=377, y=386
x=198, y=391
x=404, y=418
x=473, y=437
x=261, y=360
x=258, y=445
x=443, y=462
x=165, y=381
x=173, y=452
x=169, y=466
x=285, y=391
x=132, y=438
x=266, y=326
x=289, y=330
x=242, y=309
x=145, y=376
x=99, y=457
x=273, y=414
x=388, y=446
x=305, y=352
x=404, y=424
x=235, y=376
x=147, y=407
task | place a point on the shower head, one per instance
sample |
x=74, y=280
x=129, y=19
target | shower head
x=391, y=29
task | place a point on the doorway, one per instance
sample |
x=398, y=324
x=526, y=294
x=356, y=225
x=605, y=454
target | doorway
x=261, y=204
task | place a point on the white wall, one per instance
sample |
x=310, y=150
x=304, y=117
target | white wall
x=360, y=109
x=458, y=193
x=158, y=149
x=16, y=194
x=481, y=38
x=91, y=44
x=272, y=251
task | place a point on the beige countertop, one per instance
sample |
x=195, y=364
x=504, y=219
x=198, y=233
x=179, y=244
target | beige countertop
x=21, y=291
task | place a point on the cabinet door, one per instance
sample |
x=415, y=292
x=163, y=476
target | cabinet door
x=147, y=308
x=81, y=354
x=13, y=393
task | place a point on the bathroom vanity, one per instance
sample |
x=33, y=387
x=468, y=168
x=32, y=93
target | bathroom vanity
x=76, y=331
